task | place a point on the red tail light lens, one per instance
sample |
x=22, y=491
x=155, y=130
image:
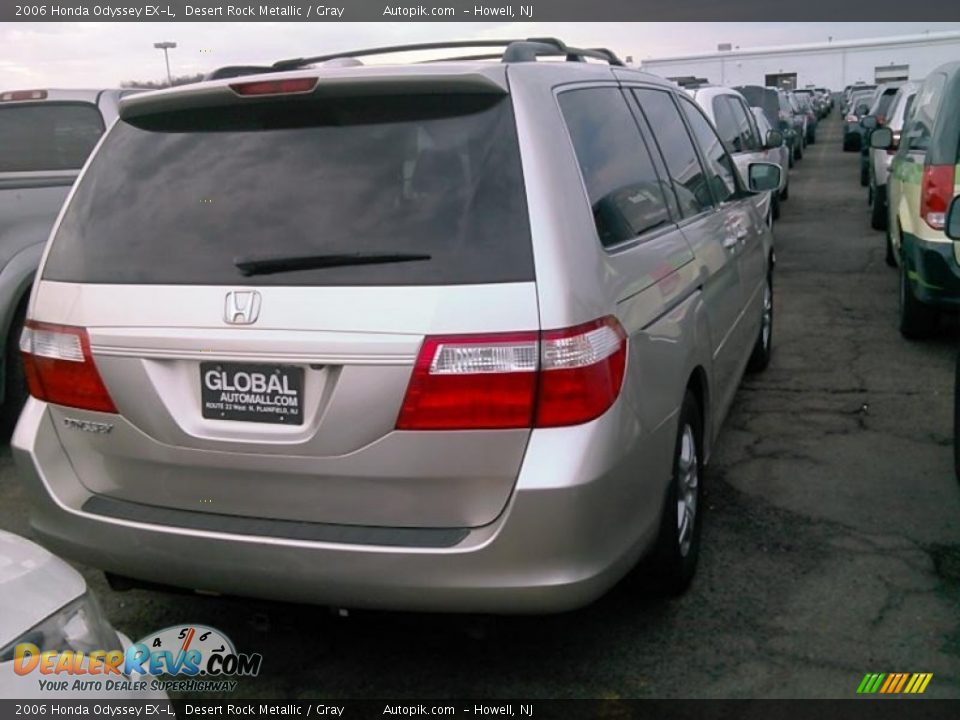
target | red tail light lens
x=581, y=372
x=60, y=369
x=935, y=194
x=290, y=86
x=516, y=380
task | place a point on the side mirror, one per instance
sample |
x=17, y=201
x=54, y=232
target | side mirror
x=774, y=139
x=763, y=176
x=952, y=228
x=869, y=122
x=881, y=139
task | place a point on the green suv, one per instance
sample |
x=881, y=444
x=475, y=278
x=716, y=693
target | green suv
x=924, y=177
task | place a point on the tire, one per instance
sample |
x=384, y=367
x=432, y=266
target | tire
x=956, y=420
x=775, y=206
x=763, y=348
x=878, y=214
x=864, y=175
x=917, y=320
x=785, y=195
x=15, y=394
x=678, y=543
x=799, y=151
x=791, y=160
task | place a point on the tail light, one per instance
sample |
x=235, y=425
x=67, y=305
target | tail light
x=935, y=194
x=881, y=120
x=60, y=369
x=516, y=380
x=851, y=118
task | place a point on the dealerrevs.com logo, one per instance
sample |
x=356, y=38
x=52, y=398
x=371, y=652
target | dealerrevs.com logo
x=197, y=658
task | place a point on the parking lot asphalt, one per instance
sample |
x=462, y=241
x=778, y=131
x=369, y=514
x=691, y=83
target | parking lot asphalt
x=831, y=547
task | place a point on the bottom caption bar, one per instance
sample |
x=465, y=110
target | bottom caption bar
x=866, y=708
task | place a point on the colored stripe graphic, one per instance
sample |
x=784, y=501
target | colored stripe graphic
x=894, y=683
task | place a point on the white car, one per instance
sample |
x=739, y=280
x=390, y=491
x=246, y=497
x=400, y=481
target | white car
x=878, y=170
x=779, y=155
x=729, y=112
x=45, y=602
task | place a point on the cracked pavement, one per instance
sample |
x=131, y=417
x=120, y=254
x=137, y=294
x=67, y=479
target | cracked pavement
x=831, y=547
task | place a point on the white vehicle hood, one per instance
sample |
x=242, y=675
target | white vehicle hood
x=33, y=585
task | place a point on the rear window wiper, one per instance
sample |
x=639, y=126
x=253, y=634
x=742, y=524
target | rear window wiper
x=269, y=265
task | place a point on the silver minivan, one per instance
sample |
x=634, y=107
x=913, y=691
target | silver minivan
x=446, y=336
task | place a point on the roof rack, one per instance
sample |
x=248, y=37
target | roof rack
x=514, y=51
x=231, y=71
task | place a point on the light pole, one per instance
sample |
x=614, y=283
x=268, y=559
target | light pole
x=166, y=46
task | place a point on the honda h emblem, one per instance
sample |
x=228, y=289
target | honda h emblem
x=242, y=307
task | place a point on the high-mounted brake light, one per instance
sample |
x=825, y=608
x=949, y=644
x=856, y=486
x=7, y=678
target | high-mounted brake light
x=23, y=95
x=936, y=191
x=290, y=86
x=516, y=380
x=60, y=369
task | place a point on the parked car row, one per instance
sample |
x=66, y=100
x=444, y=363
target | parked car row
x=400, y=336
x=913, y=178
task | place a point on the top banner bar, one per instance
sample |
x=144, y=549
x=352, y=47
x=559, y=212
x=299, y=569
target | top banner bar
x=476, y=11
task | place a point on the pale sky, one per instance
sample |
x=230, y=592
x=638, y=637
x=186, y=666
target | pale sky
x=74, y=54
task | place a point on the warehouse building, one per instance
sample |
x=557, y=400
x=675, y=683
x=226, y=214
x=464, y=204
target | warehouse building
x=832, y=64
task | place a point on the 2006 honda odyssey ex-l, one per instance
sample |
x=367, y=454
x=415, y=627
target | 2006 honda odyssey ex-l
x=452, y=336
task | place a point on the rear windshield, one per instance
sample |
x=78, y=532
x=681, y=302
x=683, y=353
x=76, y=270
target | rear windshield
x=762, y=98
x=47, y=136
x=184, y=197
x=884, y=101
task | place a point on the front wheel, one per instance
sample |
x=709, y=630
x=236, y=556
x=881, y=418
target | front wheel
x=763, y=348
x=678, y=544
x=878, y=215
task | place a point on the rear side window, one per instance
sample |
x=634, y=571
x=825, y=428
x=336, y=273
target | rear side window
x=185, y=197
x=48, y=136
x=626, y=194
x=883, y=102
x=727, y=124
x=734, y=125
x=927, y=103
x=686, y=173
x=720, y=170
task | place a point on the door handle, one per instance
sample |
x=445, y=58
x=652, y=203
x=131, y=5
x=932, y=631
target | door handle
x=730, y=242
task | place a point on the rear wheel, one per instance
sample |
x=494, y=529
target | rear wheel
x=15, y=385
x=775, y=206
x=917, y=320
x=956, y=420
x=785, y=195
x=864, y=175
x=678, y=545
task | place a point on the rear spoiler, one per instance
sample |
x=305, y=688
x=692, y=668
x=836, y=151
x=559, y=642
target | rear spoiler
x=381, y=80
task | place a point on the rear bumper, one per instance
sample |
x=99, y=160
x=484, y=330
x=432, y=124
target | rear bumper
x=575, y=524
x=932, y=270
